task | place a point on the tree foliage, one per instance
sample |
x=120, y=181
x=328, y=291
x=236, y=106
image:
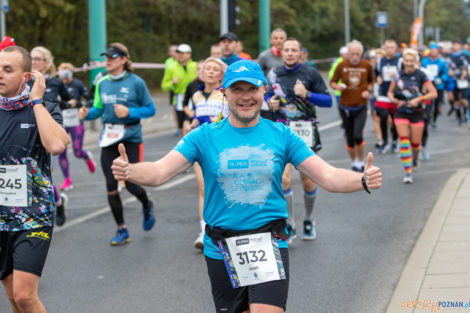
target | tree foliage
x=147, y=27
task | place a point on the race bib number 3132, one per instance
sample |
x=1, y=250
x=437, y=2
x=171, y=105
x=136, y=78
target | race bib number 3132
x=253, y=259
x=14, y=186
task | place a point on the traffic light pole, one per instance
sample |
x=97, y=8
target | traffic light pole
x=96, y=33
x=264, y=25
x=223, y=16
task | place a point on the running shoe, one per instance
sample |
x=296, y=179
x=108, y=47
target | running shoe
x=309, y=230
x=415, y=164
x=90, y=163
x=292, y=234
x=408, y=179
x=395, y=147
x=67, y=185
x=60, y=210
x=121, y=238
x=423, y=155
x=384, y=148
x=355, y=166
x=379, y=143
x=199, y=242
x=149, y=219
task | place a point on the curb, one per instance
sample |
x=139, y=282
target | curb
x=412, y=277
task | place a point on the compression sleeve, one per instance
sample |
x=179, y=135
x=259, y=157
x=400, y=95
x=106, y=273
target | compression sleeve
x=97, y=108
x=143, y=111
x=93, y=114
x=147, y=108
x=320, y=99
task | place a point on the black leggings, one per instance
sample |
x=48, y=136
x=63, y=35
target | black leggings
x=427, y=113
x=354, y=122
x=108, y=154
x=134, y=151
x=436, y=103
x=384, y=114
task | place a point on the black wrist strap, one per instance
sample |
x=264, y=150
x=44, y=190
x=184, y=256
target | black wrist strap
x=364, y=185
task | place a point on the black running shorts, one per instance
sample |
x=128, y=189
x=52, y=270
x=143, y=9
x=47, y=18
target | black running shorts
x=236, y=300
x=24, y=251
x=415, y=117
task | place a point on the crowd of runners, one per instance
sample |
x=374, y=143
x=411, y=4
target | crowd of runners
x=260, y=120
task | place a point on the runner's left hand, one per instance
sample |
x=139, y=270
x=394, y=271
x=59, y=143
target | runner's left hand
x=121, y=111
x=372, y=174
x=299, y=89
x=120, y=165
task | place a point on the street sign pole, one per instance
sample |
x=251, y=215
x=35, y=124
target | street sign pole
x=382, y=22
x=3, y=26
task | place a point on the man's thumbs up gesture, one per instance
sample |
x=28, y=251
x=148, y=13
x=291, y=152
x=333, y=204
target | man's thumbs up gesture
x=120, y=165
x=372, y=174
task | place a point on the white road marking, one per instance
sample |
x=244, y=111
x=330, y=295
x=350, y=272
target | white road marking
x=107, y=209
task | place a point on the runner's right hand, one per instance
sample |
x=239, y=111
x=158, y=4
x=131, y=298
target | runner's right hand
x=39, y=86
x=82, y=113
x=275, y=103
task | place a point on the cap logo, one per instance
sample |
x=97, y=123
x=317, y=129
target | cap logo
x=241, y=69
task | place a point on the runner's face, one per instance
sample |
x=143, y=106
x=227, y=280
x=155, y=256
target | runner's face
x=409, y=63
x=115, y=66
x=390, y=50
x=183, y=57
x=434, y=53
x=244, y=100
x=277, y=39
x=212, y=73
x=228, y=47
x=172, y=51
x=354, y=54
x=12, y=76
x=216, y=52
x=39, y=62
x=291, y=53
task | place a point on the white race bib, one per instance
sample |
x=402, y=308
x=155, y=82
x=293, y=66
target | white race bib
x=304, y=129
x=14, y=185
x=462, y=84
x=253, y=259
x=111, y=134
x=70, y=117
x=389, y=72
x=433, y=70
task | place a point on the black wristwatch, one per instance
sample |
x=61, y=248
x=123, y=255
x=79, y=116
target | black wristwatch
x=364, y=185
x=37, y=101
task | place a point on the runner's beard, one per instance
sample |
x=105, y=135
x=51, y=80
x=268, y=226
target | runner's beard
x=245, y=119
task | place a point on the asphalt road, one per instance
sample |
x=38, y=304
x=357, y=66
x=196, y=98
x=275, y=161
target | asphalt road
x=353, y=266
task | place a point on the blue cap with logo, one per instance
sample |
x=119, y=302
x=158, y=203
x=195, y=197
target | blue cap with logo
x=244, y=70
x=433, y=46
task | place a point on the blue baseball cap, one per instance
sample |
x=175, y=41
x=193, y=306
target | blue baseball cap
x=244, y=70
x=433, y=46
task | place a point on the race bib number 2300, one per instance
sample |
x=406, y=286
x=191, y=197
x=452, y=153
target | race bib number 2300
x=252, y=259
x=14, y=186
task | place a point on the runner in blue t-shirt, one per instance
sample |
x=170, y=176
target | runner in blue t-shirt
x=242, y=159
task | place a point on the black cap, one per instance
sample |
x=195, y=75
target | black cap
x=230, y=36
x=114, y=52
